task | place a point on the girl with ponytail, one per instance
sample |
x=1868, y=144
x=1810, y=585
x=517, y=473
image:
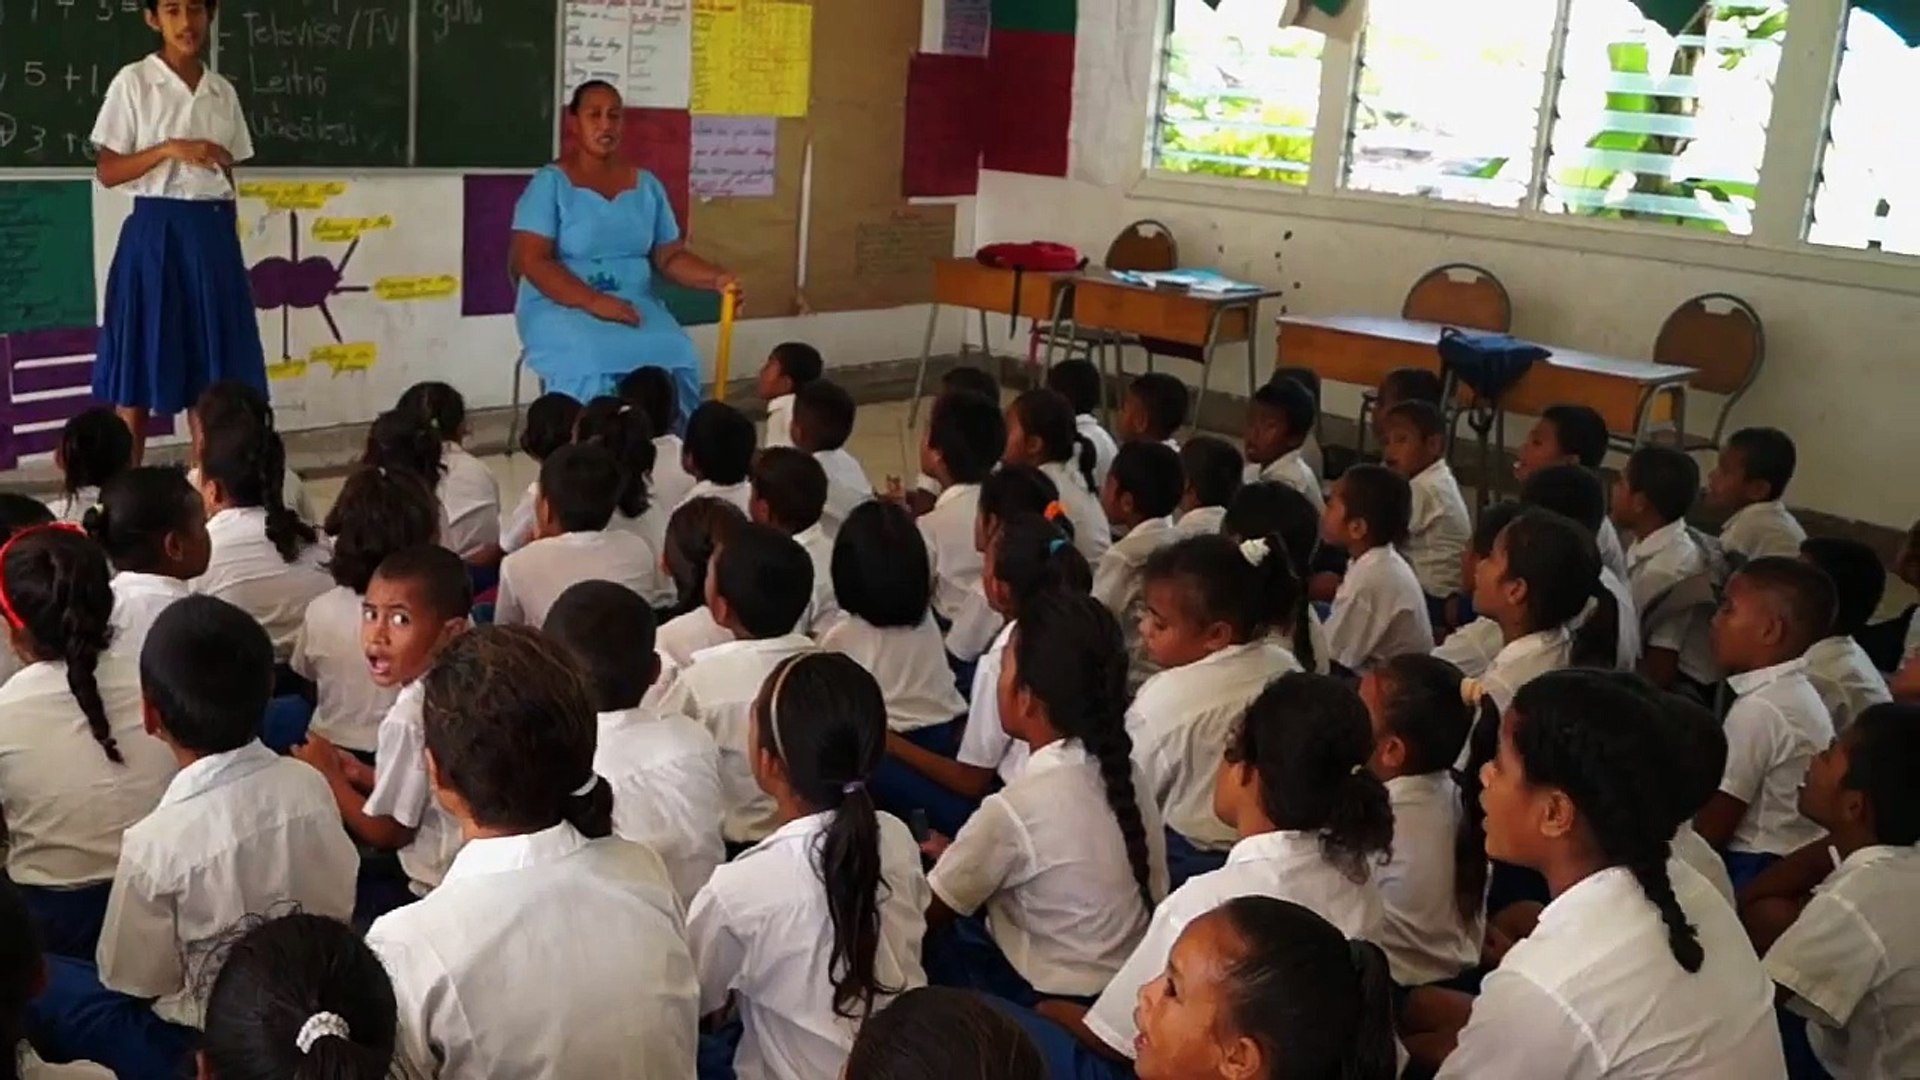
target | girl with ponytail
x=300, y=997
x=76, y=764
x=265, y=561
x=1214, y=609
x=817, y=927
x=626, y=433
x=1637, y=967
x=1068, y=859
x=540, y=897
x=465, y=486
x=1537, y=585
x=1271, y=508
x=153, y=527
x=233, y=404
x=1041, y=432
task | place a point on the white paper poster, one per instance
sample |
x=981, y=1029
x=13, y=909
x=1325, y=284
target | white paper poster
x=644, y=47
x=733, y=156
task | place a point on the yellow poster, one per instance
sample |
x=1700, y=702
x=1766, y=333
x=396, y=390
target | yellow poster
x=352, y=356
x=752, y=57
x=293, y=194
x=426, y=287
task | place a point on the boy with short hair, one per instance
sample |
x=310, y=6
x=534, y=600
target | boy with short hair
x=965, y=436
x=1651, y=499
x=823, y=414
x=664, y=768
x=1748, y=482
x=1379, y=611
x=1153, y=409
x=718, y=453
x=791, y=366
x=1838, y=667
x=1212, y=469
x=1414, y=444
x=579, y=491
x=1140, y=496
x=1405, y=384
x=789, y=493
x=1078, y=381
x=1279, y=419
x=1572, y=435
x=1774, y=609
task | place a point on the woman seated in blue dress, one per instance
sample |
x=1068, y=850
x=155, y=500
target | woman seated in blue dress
x=589, y=235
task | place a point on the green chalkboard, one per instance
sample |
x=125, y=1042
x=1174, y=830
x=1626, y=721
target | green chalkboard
x=46, y=255
x=324, y=82
x=487, y=82
x=56, y=59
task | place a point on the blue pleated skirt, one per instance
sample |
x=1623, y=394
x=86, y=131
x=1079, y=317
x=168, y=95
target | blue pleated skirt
x=179, y=311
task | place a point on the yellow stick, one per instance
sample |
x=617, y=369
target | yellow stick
x=723, y=356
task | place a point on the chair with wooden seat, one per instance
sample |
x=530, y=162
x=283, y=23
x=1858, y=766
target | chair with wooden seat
x=1452, y=294
x=1720, y=336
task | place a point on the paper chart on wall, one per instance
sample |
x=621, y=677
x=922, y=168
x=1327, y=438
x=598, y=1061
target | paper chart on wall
x=644, y=47
x=752, y=57
x=733, y=156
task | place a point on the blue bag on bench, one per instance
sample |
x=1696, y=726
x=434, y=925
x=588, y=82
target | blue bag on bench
x=1489, y=364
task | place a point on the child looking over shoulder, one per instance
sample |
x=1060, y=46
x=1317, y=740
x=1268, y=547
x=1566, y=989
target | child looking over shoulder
x=695, y=532
x=822, y=424
x=300, y=997
x=94, y=447
x=718, y=453
x=790, y=494
x=1153, y=409
x=1748, y=482
x=1279, y=421
x=1210, y=469
x=791, y=367
x=265, y=559
x=549, y=426
x=1078, y=381
x=153, y=526
x=466, y=488
x=1041, y=433
x=1379, y=610
x=1270, y=508
x=1140, y=496
x=650, y=389
x=1414, y=444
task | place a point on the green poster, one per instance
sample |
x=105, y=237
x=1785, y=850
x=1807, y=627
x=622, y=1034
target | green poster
x=1052, y=16
x=46, y=255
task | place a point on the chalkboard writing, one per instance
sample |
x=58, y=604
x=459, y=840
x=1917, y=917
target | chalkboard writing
x=486, y=78
x=56, y=59
x=324, y=82
x=46, y=255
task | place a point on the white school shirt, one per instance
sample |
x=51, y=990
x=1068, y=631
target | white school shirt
x=684, y=635
x=1525, y=659
x=665, y=773
x=64, y=803
x=293, y=492
x=1613, y=554
x=1760, y=529
x=1691, y=848
x=348, y=704
x=1092, y=533
x=1439, y=532
x=470, y=498
x=532, y=578
x=138, y=600
x=651, y=526
x=1845, y=679
x=1105, y=449
x=147, y=104
x=402, y=792
x=1595, y=992
x=246, y=832
x=1181, y=722
x=1774, y=728
x=718, y=689
x=1119, y=582
x=1379, y=612
x=948, y=531
x=246, y=570
x=779, y=421
x=1472, y=647
x=1045, y=857
x=544, y=955
x=909, y=663
x=517, y=529
x=1291, y=469
x=32, y=1068
x=1852, y=962
x=1285, y=865
x=670, y=481
x=1201, y=521
x=824, y=605
x=72, y=508
x=847, y=487
x=760, y=931
x=1656, y=563
x=1423, y=935
x=984, y=743
x=1627, y=649
x=738, y=494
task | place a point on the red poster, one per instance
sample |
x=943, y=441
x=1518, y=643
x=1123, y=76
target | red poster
x=946, y=124
x=661, y=142
x=1030, y=101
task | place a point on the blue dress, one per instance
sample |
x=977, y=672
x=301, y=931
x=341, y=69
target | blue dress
x=608, y=244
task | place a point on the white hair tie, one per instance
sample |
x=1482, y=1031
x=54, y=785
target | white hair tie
x=1471, y=691
x=319, y=1026
x=1255, y=551
x=586, y=789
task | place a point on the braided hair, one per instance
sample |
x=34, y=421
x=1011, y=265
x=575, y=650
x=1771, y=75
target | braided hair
x=249, y=464
x=1604, y=745
x=57, y=592
x=1069, y=655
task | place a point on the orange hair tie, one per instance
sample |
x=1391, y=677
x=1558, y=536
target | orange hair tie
x=6, y=602
x=1054, y=511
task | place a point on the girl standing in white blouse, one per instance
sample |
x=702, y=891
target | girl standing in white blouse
x=153, y=526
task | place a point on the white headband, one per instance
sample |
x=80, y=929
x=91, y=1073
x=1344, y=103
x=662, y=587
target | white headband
x=586, y=789
x=319, y=1026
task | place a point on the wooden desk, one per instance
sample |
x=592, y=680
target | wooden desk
x=1195, y=323
x=968, y=283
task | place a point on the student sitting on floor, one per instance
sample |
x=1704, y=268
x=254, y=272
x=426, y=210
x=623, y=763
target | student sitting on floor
x=1141, y=494
x=23, y=976
x=696, y=531
x=543, y=914
x=402, y=440
x=265, y=559
x=1841, y=672
x=1078, y=381
x=1212, y=607
x=791, y=367
x=300, y=995
x=1774, y=609
x=17, y=513
x=1380, y=610
x=1637, y=967
x=1068, y=860
x=1279, y=420
x=1578, y=493
x=579, y=492
x=1542, y=578
x=962, y=378
x=1837, y=918
x=1313, y=827
x=549, y=427
x=815, y=927
x=718, y=453
x=1748, y=482
x=879, y=575
x=1572, y=435
x=1414, y=444
x=416, y=605
x=1041, y=433
x=1651, y=499
x=623, y=431
x=790, y=493
x=1401, y=385
x=1472, y=647
x=153, y=526
x=1270, y=508
x=239, y=831
x=231, y=404
x=966, y=434
x=1889, y=643
x=1700, y=747
x=939, y=1033
x=77, y=766
x=466, y=485
x=378, y=512
x=664, y=768
x=94, y=447
x=822, y=423
x=1210, y=468
x=1152, y=409
x=757, y=589
x=650, y=390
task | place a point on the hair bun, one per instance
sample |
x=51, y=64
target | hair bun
x=94, y=521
